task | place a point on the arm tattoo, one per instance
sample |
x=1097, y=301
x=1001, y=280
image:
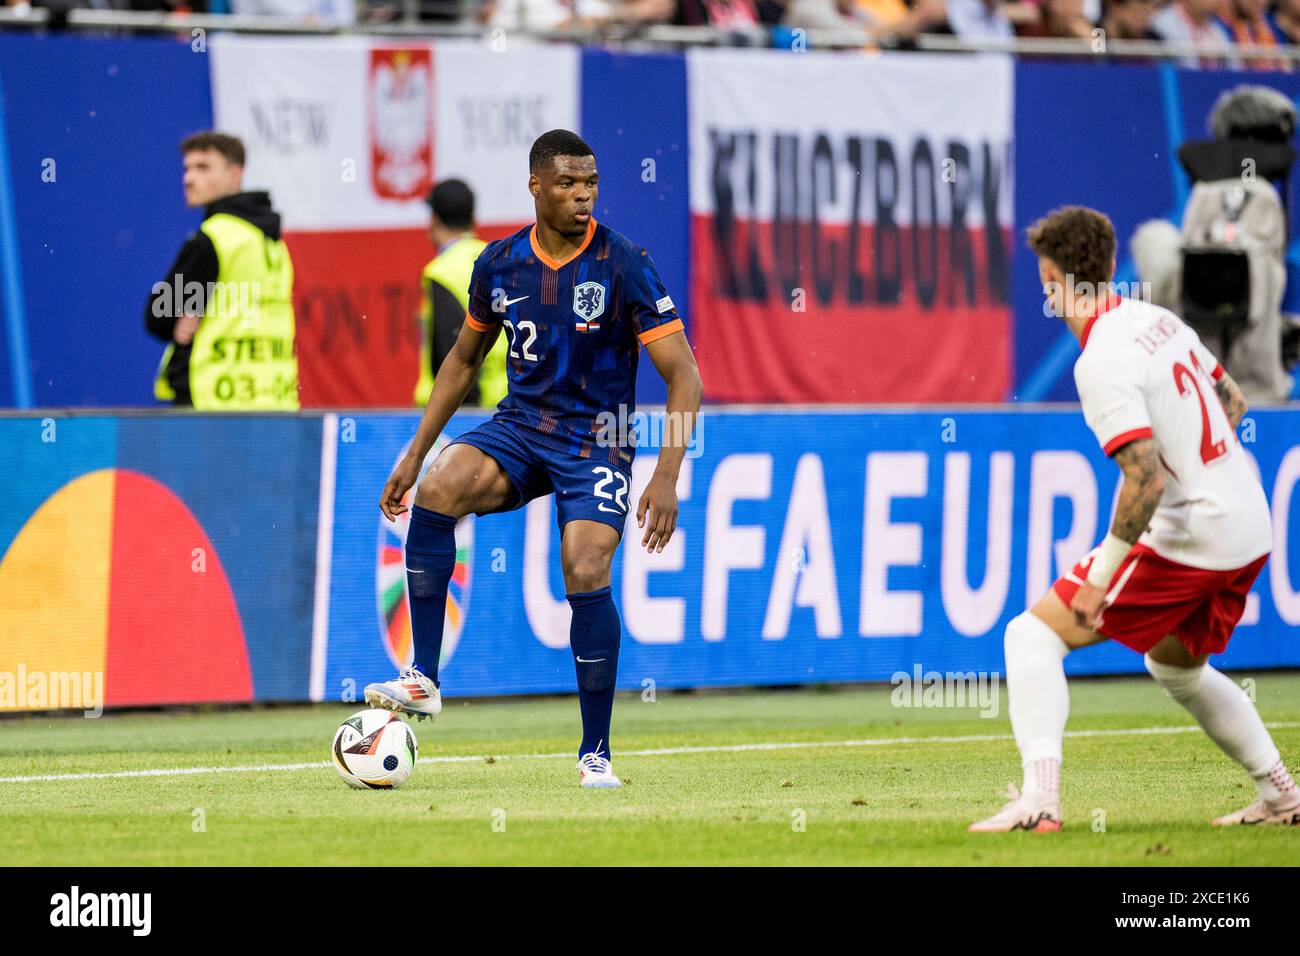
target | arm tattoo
x=1143, y=485
x=1234, y=403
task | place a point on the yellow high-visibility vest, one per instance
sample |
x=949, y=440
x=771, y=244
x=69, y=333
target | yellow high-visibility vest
x=453, y=269
x=243, y=356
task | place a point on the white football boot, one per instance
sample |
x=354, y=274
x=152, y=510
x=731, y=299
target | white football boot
x=1283, y=813
x=595, y=771
x=409, y=693
x=1040, y=813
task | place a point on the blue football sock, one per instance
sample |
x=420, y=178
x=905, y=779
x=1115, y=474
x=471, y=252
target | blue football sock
x=594, y=639
x=430, y=559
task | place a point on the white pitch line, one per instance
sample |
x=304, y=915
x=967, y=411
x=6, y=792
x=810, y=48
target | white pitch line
x=656, y=752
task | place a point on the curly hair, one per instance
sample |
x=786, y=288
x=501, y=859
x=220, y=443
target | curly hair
x=553, y=143
x=1081, y=241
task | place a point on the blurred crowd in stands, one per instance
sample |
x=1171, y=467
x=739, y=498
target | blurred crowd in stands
x=1201, y=23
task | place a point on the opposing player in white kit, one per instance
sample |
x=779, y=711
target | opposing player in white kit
x=1191, y=532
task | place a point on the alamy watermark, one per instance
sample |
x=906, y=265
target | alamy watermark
x=1084, y=298
x=133, y=911
x=951, y=689
x=623, y=429
x=52, y=690
x=178, y=297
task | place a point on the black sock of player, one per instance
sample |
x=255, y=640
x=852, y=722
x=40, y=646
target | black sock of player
x=430, y=559
x=594, y=639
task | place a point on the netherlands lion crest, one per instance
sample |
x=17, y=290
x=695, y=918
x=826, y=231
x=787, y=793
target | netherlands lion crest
x=588, y=305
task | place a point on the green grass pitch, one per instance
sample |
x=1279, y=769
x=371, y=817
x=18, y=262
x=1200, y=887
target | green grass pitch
x=513, y=801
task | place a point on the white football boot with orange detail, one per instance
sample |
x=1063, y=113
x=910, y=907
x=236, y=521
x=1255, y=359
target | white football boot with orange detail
x=409, y=693
x=1037, y=812
x=1285, y=812
x=596, y=773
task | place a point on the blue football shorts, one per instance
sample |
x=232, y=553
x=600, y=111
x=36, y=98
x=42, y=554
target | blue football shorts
x=584, y=489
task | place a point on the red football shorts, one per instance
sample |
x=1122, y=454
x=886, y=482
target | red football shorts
x=1151, y=596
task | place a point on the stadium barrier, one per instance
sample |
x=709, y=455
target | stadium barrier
x=184, y=559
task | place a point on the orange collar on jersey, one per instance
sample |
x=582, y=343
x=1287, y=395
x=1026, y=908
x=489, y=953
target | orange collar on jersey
x=557, y=264
x=1106, y=306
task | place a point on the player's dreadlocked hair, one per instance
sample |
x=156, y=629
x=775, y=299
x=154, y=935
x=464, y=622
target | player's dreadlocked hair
x=556, y=142
x=1081, y=241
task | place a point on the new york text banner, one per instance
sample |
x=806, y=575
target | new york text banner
x=348, y=134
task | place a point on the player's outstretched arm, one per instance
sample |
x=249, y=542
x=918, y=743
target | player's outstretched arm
x=1234, y=403
x=674, y=360
x=1138, y=497
x=455, y=378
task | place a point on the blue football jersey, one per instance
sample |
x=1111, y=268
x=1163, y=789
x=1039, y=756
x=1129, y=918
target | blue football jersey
x=575, y=331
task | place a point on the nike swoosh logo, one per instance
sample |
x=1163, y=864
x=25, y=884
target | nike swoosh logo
x=596, y=661
x=413, y=571
x=513, y=301
x=601, y=507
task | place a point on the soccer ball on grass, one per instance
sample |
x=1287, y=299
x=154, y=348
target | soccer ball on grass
x=374, y=750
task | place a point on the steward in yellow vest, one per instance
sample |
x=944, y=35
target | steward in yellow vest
x=445, y=300
x=226, y=306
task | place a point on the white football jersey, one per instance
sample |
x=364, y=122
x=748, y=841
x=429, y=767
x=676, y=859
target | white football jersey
x=1145, y=374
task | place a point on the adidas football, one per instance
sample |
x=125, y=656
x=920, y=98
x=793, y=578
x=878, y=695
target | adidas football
x=374, y=750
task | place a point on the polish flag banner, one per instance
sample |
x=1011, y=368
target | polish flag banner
x=851, y=226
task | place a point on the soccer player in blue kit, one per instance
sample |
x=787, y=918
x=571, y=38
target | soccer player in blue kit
x=577, y=300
